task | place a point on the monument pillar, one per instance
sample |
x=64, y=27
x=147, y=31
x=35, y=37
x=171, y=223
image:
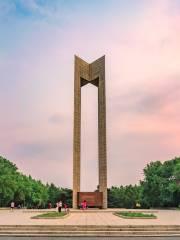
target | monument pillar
x=93, y=73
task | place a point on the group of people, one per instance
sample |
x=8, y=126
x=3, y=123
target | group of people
x=12, y=205
x=60, y=205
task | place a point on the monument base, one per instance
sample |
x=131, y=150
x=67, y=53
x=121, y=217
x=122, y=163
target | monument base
x=93, y=199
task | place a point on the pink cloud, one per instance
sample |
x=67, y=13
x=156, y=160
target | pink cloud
x=142, y=72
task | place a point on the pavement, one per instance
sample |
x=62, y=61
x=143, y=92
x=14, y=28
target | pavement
x=79, y=217
x=88, y=224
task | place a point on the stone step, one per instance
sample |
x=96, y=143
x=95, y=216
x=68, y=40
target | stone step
x=86, y=230
x=89, y=228
x=91, y=233
x=97, y=226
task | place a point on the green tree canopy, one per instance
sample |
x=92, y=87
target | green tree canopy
x=159, y=188
x=161, y=184
x=26, y=191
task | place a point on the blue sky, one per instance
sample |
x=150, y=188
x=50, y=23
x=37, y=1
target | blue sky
x=38, y=41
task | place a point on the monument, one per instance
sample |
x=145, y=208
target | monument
x=94, y=73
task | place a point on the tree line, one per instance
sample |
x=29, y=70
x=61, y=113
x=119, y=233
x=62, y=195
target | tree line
x=26, y=191
x=159, y=188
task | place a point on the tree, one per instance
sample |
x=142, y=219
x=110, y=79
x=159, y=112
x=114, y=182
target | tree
x=123, y=196
x=160, y=187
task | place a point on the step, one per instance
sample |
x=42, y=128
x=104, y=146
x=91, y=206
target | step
x=86, y=227
x=92, y=233
x=89, y=229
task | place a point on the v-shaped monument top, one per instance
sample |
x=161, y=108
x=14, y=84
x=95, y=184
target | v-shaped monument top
x=93, y=73
x=89, y=72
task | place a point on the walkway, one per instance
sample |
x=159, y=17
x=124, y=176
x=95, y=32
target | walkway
x=21, y=217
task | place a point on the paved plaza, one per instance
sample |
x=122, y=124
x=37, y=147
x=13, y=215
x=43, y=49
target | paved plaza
x=23, y=217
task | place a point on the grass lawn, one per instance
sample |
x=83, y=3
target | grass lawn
x=51, y=215
x=135, y=215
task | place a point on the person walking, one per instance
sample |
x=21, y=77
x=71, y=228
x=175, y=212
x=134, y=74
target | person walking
x=59, y=206
x=12, y=205
x=66, y=207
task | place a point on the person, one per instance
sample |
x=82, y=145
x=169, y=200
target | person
x=49, y=205
x=65, y=207
x=59, y=206
x=12, y=205
x=19, y=206
x=84, y=205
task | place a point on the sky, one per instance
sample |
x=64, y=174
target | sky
x=38, y=41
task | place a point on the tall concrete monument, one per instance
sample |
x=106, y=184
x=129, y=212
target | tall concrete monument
x=93, y=73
